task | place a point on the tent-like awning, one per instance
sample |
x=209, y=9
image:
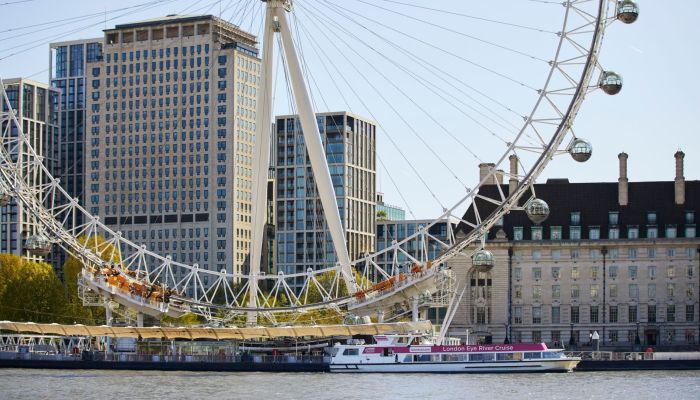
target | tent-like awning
x=193, y=333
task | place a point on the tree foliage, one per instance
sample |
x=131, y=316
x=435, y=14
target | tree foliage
x=30, y=291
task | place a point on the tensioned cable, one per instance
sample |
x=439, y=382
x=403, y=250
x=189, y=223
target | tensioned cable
x=490, y=43
x=429, y=85
x=530, y=28
x=391, y=139
x=450, y=53
x=410, y=99
x=315, y=45
x=72, y=19
x=432, y=65
x=423, y=62
x=9, y=3
x=43, y=41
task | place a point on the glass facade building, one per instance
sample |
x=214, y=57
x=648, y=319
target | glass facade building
x=37, y=109
x=387, y=212
x=67, y=74
x=302, y=235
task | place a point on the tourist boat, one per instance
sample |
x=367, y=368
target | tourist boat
x=416, y=353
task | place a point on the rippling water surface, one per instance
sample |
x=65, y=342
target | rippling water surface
x=118, y=385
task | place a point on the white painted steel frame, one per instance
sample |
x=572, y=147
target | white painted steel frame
x=58, y=218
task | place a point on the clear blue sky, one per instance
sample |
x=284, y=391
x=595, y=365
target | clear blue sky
x=657, y=113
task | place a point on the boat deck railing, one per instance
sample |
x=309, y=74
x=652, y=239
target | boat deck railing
x=610, y=355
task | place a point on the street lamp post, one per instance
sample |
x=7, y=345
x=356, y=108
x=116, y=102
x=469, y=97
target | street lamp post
x=637, y=340
x=604, y=251
x=572, y=342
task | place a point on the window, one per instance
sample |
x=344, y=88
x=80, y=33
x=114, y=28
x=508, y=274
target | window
x=613, y=218
x=575, y=218
x=537, y=273
x=613, y=314
x=690, y=217
x=670, y=272
x=556, y=254
x=652, y=232
x=612, y=272
x=536, y=315
x=690, y=291
x=651, y=217
x=613, y=233
x=536, y=338
x=633, y=232
x=517, y=315
x=594, y=272
x=613, y=290
x=632, y=313
x=651, y=291
x=671, y=231
x=556, y=315
x=670, y=290
x=651, y=313
x=633, y=291
x=594, y=291
x=575, y=233
x=632, y=272
x=555, y=233
x=612, y=337
x=517, y=273
x=574, y=254
x=536, y=292
x=595, y=310
x=575, y=291
x=536, y=233
x=574, y=273
x=689, y=313
x=651, y=253
x=575, y=314
x=518, y=292
x=518, y=233
x=556, y=291
x=536, y=254
x=690, y=336
x=690, y=271
x=652, y=272
x=671, y=313
x=594, y=233
x=631, y=253
x=556, y=272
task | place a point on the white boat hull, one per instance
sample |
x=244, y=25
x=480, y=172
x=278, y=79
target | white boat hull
x=460, y=367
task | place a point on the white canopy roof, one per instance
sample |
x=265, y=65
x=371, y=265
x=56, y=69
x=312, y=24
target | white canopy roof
x=192, y=333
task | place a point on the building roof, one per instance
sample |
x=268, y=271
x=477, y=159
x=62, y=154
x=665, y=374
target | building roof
x=169, y=19
x=594, y=201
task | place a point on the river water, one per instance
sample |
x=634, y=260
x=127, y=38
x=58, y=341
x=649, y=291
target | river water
x=118, y=385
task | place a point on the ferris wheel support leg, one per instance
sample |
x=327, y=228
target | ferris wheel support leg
x=317, y=155
x=415, y=314
x=108, y=322
x=261, y=162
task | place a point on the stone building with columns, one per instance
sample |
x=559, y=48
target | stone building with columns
x=617, y=258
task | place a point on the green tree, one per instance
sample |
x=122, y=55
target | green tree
x=71, y=272
x=30, y=291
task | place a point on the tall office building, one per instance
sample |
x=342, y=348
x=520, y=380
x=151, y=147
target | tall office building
x=67, y=74
x=303, y=240
x=619, y=258
x=36, y=106
x=171, y=131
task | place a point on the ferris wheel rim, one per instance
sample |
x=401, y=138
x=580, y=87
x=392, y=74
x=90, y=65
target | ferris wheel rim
x=87, y=255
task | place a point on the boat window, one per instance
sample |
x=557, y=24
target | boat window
x=552, y=354
x=351, y=352
x=454, y=357
x=482, y=357
x=408, y=358
x=533, y=356
x=505, y=357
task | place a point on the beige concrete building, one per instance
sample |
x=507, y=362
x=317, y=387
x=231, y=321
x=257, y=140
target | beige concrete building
x=617, y=258
x=171, y=128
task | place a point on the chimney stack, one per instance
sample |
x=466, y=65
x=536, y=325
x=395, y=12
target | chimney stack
x=513, y=182
x=499, y=176
x=680, y=179
x=623, y=182
x=484, y=169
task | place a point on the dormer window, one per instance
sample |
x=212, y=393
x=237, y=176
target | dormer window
x=651, y=217
x=613, y=218
x=690, y=217
x=576, y=218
